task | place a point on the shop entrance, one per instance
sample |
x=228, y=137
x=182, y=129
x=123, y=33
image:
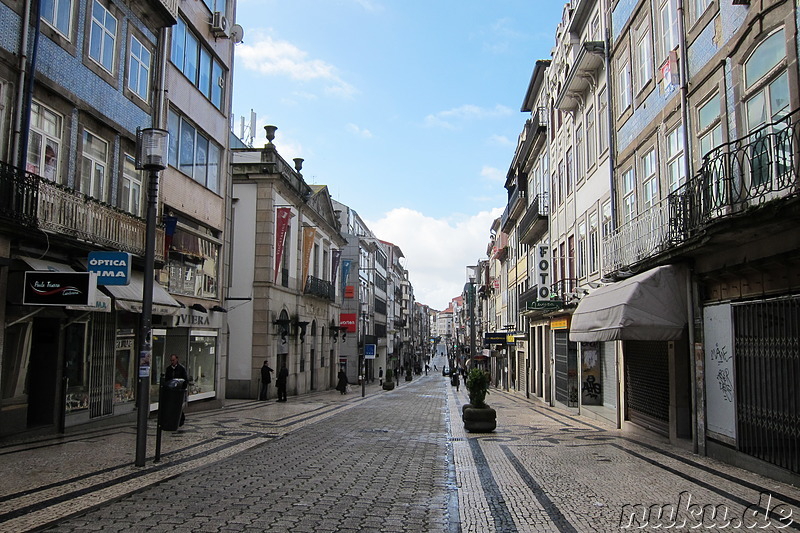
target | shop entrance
x=43, y=371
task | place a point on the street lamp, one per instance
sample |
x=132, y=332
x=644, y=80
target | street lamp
x=152, y=145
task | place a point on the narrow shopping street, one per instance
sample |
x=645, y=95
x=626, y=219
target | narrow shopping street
x=390, y=461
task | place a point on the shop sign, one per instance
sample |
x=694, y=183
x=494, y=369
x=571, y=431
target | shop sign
x=542, y=272
x=369, y=351
x=494, y=337
x=544, y=305
x=112, y=268
x=560, y=323
x=58, y=288
x=350, y=291
x=348, y=320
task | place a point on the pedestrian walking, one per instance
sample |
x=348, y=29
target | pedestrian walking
x=341, y=385
x=266, y=379
x=455, y=380
x=283, y=375
x=380, y=375
x=177, y=371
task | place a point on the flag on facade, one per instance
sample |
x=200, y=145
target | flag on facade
x=284, y=215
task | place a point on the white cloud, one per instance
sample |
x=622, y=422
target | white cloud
x=272, y=57
x=447, y=118
x=493, y=174
x=437, y=251
x=361, y=132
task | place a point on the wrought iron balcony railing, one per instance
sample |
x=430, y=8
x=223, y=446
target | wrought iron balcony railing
x=740, y=175
x=320, y=288
x=33, y=201
x=533, y=223
x=735, y=178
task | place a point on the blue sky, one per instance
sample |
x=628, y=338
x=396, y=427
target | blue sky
x=408, y=110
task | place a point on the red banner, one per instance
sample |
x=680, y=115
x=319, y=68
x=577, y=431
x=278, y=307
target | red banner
x=348, y=320
x=282, y=225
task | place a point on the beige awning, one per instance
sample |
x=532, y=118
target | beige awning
x=649, y=306
x=129, y=297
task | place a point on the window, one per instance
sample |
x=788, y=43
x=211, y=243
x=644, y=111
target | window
x=582, y=250
x=668, y=26
x=608, y=223
x=579, y=167
x=624, y=79
x=215, y=5
x=594, y=245
x=649, y=179
x=700, y=7
x=93, y=167
x=44, y=142
x=193, y=153
x=765, y=71
x=709, y=125
x=197, y=63
x=103, y=36
x=568, y=174
x=131, y=196
x=591, y=135
x=139, y=75
x=675, y=159
x=629, y=196
x=602, y=120
x=643, y=72
x=57, y=13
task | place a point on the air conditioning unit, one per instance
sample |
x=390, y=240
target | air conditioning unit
x=219, y=24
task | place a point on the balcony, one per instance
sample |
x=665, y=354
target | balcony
x=32, y=201
x=320, y=288
x=736, y=179
x=533, y=224
x=530, y=295
x=739, y=176
x=516, y=202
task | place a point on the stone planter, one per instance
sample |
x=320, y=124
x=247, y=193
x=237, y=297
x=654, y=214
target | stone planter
x=478, y=419
x=388, y=385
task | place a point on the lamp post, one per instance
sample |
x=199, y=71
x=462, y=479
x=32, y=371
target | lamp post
x=151, y=151
x=362, y=366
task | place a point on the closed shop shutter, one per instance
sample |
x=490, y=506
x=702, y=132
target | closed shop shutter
x=609, y=371
x=566, y=369
x=647, y=384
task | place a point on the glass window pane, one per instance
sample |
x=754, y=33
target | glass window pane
x=64, y=14
x=216, y=90
x=204, y=80
x=173, y=127
x=190, y=61
x=764, y=58
x=213, y=167
x=50, y=160
x=34, y=153
x=756, y=111
x=186, y=162
x=779, y=96
x=709, y=112
x=178, y=43
x=201, y=160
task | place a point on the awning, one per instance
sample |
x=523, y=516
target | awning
x=129, y=297
x=649, y=306
x=43, y=264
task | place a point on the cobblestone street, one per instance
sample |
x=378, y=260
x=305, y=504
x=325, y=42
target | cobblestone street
x=392, y=461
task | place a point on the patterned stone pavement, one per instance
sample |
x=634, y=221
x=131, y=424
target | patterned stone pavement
x=389, y=462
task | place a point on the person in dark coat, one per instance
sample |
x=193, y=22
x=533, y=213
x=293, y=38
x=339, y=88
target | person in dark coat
x=176, y=370
x=266, y=379
x=283, y=375
x=341, y=385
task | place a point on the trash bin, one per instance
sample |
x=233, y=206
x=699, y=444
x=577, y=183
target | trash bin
x=170, y=403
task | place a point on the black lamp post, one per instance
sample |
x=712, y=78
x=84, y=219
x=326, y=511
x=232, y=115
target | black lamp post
x=152, y=145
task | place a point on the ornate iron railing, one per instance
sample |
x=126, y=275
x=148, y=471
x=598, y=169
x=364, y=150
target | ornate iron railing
x=320, y=288
x=644, y=236
x=537, y=211
x=67, y=212
x=734, y=178
x=18, y=195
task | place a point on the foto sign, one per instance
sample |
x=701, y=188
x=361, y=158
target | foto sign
x=542, y=272
x=58, y=288
x=112, y=268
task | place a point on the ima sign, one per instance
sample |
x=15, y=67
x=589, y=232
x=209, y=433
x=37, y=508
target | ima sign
x=543, y=272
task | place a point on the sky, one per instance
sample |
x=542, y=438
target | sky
x=408, y=110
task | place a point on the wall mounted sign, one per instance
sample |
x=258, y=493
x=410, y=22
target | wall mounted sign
x=58, y=288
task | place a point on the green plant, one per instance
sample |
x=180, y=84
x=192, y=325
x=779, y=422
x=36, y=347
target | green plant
x=389, y=374
x=477, y=386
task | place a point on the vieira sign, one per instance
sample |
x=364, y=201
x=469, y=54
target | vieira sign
x=112, y=268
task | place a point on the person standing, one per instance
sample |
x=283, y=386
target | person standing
x=266, y=379
x=176, y=370
x=341, y=385
x=380, y=375
x=283, y=375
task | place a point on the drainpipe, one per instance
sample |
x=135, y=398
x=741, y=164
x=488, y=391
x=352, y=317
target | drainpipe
x=611, y=129
x=23, y=108
x=698, y=440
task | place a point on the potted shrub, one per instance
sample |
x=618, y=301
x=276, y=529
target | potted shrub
x=478, y=417
x=388, y=383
